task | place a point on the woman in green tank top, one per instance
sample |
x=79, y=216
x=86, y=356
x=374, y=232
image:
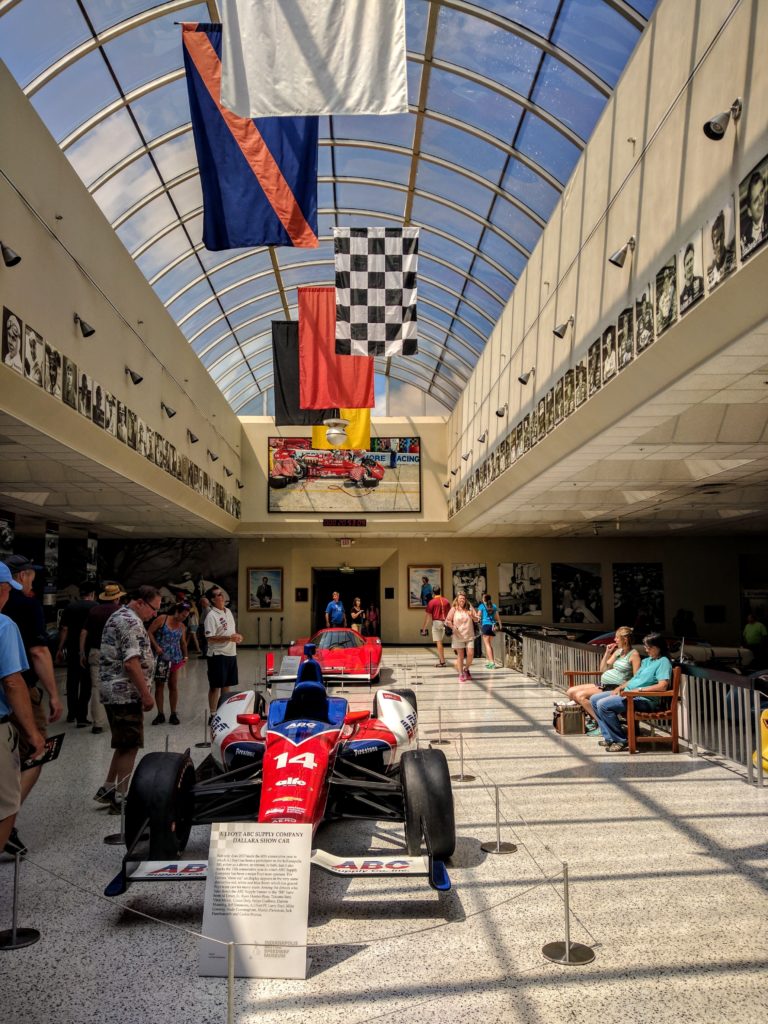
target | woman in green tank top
x=619, y=663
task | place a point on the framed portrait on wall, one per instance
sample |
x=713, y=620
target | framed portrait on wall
x=34, y=356
x=720, y=245
x=52, y=371
x=12, y=354
x=666, y=296
x=265, y=590
x=644, y=319
x=580, y=383
x=422, y=579
x=610, y=366
x=692, y=265
x=753, y=212
x=625, y=341
x=594, y=368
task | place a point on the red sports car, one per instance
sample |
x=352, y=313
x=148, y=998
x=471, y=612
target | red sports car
x=342, y=653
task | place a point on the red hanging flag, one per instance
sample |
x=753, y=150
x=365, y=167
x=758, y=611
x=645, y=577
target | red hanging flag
x=325, y=379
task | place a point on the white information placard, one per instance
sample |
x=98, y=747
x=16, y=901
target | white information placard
x=257, y=895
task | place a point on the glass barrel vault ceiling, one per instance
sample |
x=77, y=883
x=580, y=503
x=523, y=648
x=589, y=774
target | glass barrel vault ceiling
x=503, y=96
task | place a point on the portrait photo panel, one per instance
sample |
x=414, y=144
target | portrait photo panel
x=720, y=245
x=692, y=272
x=753, y=213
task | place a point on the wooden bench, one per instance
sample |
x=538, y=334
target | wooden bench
x=664, y=714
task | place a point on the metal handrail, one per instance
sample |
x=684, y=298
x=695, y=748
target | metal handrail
x=718, y=712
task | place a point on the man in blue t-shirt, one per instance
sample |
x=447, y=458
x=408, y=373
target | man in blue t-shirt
x=334, y=612
x=14, y=697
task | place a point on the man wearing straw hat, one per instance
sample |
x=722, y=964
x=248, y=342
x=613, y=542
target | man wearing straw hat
x=90, y=646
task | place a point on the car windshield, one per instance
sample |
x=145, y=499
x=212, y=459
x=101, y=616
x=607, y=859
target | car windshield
x=335, y=638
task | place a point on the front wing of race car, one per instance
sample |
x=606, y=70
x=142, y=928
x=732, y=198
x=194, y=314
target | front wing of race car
x=134, y=870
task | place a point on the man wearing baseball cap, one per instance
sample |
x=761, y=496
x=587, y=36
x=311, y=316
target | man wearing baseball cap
x=14, y=699
x=26, y=611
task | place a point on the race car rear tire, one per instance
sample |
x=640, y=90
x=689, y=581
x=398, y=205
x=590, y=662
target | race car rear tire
x=161, y=790
x=369, y=482
x=427, y=794
x=278, y=482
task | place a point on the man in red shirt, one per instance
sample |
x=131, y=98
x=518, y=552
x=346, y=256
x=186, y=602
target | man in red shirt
x=435, y=612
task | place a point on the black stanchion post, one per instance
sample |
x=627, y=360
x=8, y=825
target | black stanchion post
x=270, y=632
x=15, y=937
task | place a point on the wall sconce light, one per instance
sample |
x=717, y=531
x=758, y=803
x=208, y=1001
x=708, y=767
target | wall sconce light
x=483, y=437
x=240, y=484
x=559, y=331
x=85, y=328
x=447, y=484
x=715, y=128
x=335, y=433
x=466, y=455
x=227, y=472
x=454, y=472
x=525, y=377
x=213, y=456
x=10, y=258
x=503, y=410
x=169, y=412
x=136, y=378
x=618, y=258
x=192, y=438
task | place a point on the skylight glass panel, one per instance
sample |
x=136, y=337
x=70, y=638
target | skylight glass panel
x=537, y=16
x=480, y=46
x=127, y=188
x=502, y=252
x=162, y=109
x=177, y=279
x=451, y=221
x=455, y=187
x=481, y=298
x=163, y=252
x=188, y=196
x=368, y=197
x=475, y=104
x=459, y=147
x=569, y=97
x=151, y=50
x=146, y=222
x=376, y=164
x=456, y=255
x=525, y=184
x=396, y=129
x=246, y=266
x=56, y=28
x=175, y=156
x=75, y=95
x=438, y=272
x=416, y=12
x=547, y=147
x=515, y=223
x=597, y=35
x=103, y=146
x=190, y=299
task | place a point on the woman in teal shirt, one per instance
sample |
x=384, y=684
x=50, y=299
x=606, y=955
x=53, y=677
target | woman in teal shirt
x=653, y=676
x=619, y=663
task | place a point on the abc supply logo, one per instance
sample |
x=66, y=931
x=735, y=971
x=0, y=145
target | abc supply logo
x=352, y=866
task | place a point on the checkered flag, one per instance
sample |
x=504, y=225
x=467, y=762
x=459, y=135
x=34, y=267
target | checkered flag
x=376, y=291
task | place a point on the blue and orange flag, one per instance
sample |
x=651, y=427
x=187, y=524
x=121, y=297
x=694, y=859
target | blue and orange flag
x=259, y=177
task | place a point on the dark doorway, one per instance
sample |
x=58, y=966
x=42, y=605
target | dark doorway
x=362, y=583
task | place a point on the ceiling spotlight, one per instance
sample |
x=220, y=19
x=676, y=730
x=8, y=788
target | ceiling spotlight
x=240, y=484
x=335, y=433
x=715, y=129
x=135, y=377
x=466, y=455
x=85, y=329
x=213, y=456
x=618, y=258
x=525, y=377
x=503, y=410
x=483, y=437
x=169, y=412
x=454, y=471
x=227, y=472
x=559, y=331
x=192, y=438
x=10, y=258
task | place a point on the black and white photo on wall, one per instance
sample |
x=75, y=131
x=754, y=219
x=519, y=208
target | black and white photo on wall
x=720, y=245
x=519, y=449
x=550, y=404
x=666, y=296
x=753, y=211
x=519, y=588
x=7, y=533
x=568, y=392
x=625, y=338
x=610, y=364
x=471, y=579
x=12, y=342
x=638, y=596
x=692, y=264
x=84, y=395
x=539, y=421
x=121, y=427
x=644, y=319
x=34, y=356
x=580, y=382
x=110, y=413
x=130, y=428
x=527, y=432
x=69, y=383
x=97, y=405
x=594, y=367
x=52, y=371
x=559, y=401
x=577, y=592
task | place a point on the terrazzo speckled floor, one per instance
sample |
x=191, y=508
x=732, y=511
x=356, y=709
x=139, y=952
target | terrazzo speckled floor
x=667, y=856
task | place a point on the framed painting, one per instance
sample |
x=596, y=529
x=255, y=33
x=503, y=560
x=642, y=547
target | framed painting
x=265, y=590
x=422, y=580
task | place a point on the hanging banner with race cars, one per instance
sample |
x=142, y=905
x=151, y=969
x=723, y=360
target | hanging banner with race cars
x=304, y=479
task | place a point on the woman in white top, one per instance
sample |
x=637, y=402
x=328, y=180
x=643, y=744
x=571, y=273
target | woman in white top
x=461, y=619
x=619, y=663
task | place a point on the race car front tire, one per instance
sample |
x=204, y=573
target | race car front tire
x=161, y=791
x=427, y=794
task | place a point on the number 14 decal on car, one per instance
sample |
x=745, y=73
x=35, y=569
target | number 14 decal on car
x=307, y=760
